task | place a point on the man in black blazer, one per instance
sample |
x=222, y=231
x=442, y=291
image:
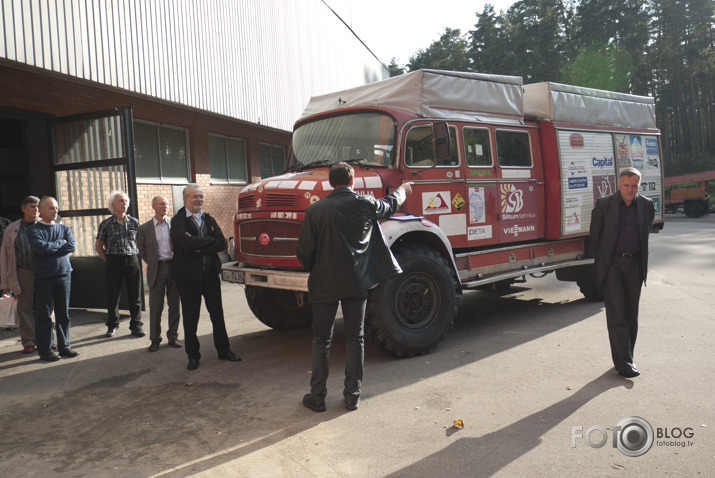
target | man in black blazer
x=620, y=226
x=197, y=239
x=342, y=246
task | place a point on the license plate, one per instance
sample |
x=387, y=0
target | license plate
x=233, y=276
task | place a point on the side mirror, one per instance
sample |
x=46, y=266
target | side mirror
x=440, y=135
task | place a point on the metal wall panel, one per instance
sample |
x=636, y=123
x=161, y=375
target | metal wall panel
x=254, y=60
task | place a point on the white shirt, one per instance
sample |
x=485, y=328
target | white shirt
x=198, y=217
x=161, y=229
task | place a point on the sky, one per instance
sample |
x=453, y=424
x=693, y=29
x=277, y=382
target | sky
x=399, y=28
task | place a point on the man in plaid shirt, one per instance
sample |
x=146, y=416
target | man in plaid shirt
x=117, y=245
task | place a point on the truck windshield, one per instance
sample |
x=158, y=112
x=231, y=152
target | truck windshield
x=364, y=138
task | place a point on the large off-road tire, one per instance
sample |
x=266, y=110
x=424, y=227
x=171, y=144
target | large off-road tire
x=278, y=308
x=410, y=313
x=587, y=284
x=693, y=209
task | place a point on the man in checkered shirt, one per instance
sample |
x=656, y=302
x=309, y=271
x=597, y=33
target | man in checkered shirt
x=117, y=245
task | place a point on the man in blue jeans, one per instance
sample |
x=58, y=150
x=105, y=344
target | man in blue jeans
x=344, y=250
x=51, y=245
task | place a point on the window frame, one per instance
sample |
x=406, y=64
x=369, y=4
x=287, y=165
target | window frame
x=453, y=138
x=228, y=180
x=496, y=148
x=492, y=142
x=161, y=179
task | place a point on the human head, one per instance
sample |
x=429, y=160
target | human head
x=193, y=198
x=118, y=202
x=629, y=180
x=30, y=208
x=160, y=204
x=48, y=208
x=341, y=175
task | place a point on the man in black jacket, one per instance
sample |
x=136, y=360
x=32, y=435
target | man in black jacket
x=344, y=250
x=620, y=226
x=197, y=239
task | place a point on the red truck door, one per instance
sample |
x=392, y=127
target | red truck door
x=438, y=186
x=520, y=185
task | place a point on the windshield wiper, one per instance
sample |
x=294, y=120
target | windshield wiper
x=314, y=164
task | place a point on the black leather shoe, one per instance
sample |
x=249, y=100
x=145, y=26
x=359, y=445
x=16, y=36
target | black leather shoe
x=193, y=364
x=175, y=343
x=49, y=357
x=629, y=373
x=67, y=352
x=154, y=346
x=352, y=403
x=111, y=330
x=315, y=404
x=138, y=332
x=230, y=356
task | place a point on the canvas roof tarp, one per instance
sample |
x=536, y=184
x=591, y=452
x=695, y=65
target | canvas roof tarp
x=566, y=103
x=435, y=94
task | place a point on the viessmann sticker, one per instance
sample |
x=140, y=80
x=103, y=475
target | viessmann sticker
x=436, y=202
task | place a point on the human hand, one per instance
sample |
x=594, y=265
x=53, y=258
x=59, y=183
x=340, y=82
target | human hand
x=407, y=186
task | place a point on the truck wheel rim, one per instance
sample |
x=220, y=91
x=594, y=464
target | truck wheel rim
x=416, y=302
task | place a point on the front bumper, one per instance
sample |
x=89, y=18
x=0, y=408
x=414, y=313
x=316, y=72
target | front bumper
x=236, y=273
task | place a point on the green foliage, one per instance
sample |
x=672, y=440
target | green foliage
x=659, y=48
x=606, y=67
x=447, y=53
x=394, y=68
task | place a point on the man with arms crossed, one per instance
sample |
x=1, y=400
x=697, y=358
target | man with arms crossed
x=52, y=244
x=197, y=240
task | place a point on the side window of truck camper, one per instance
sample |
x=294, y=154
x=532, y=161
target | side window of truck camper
x=513, y=149
x=419, y=149
x=477, y=151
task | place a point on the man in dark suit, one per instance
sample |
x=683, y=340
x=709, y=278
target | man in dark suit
x=155, y=249
x=197, y=240
x=620, y=226
x=342, y=246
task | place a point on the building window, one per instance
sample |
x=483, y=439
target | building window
x=513, y=149
x=272, y=159
x=160, y=152
x=227, y=159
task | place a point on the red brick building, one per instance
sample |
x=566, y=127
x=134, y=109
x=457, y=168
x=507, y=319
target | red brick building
x=146, y=97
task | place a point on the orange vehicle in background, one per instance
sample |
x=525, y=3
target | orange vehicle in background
x=689, y=192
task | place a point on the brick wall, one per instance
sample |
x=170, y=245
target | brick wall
x=36, y=91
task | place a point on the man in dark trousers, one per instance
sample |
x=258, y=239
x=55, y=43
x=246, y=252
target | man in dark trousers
x=51, y=244
x=344, y=250
x=620, y=225
x=154, y=246
x=197, y=240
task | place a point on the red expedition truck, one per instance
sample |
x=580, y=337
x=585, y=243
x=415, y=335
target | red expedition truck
x=504, y=176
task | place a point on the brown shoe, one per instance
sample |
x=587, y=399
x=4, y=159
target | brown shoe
x=154, y=346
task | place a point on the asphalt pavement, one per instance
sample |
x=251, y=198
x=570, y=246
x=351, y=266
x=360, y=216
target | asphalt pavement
x=526, y=375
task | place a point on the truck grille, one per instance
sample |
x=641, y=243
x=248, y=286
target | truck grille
x=247, y=202
x=281, y=200
x=280, y=238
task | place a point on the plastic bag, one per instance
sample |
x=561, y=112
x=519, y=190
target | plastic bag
x=8, y=311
